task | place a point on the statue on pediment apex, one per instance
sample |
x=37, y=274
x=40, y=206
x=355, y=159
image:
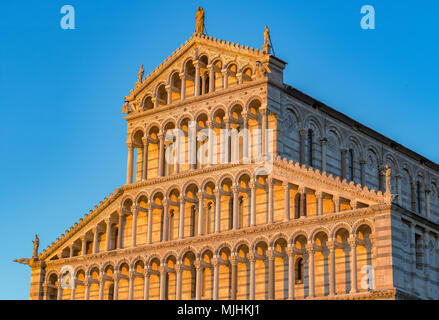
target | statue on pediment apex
x=199, y=17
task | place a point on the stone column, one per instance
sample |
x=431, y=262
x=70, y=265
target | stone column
x=73, y=289
x=149, y=222
x=362, y=172
x=162, y=282
x=84, y=245
x=252, y=260
x=344, y=169
x=120, y=233
x=291, y=272
x=215, y=277
x=270, y=183
x=130, y=163
x=286, y=187
x=302, y=202
x=131, y=285
x=331, y=246
x=227, y=141
x=192, y=135
x=245, y=144
x=211, y=78
x=59, y=291
x=253, y=203
x=413, y=256
x=181, y=215
x=108, y=233
x=233, y=264
x=178, y=276
x=323, y=147
x=235, y=192
x=116, y=286
x=165, y=220
x=198, y=271
x=183, y=85
x=95, y=240
x=319, y=197
x=353, y=244
x=203, y=84
x=217, y=210
x=427, y=202
x=413, y=196
x=398, y=188
x=161, y=153
x=302, y=133
x=134, y=210
x=310, y=249
x=169, y=94
x=336, y=200
x=146, y=276
x=381, y=176
x=263, y=112
x=200, y=196
x=270, y=257
x=101, y=288
x=210, y=141
x=224, y=73
x=197, y=78
x=145, y=158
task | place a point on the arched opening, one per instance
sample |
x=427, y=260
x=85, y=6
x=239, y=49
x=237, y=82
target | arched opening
x=175, y=87
x=154, y=279
x=190, y=79
x=225, y=274
x=301, y=288
x=171, y=279
x=52, y=289
x=148, y=104
x=247, y=75
x=321, y=265
x=280, y=269
x=243, y=273
x=261, y=271
x=188, y=277
x=157, y=218
x=232, y=79
x=139, y=281
x=217, y=71
x=162, y=96
x=206, y=275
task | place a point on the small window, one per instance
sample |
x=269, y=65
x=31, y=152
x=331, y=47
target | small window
x=299, y=271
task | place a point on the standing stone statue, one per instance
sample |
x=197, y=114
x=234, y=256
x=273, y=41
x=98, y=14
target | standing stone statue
x=387, y=173
x=140, y=74
x=36, y=243
x=199, y=17
x=267, y=40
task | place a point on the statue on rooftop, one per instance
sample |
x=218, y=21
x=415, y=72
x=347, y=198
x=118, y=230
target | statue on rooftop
x=36, y=243
x=267, y=41
x=140, y=74
x=199, y=17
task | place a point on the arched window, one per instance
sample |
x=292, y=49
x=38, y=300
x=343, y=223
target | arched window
x=351, y=164
x=418, y=197
x=231, y=213
x=171, y=225
x=299, y=271
x=111, y=292
x=241, y=212
x=193, y=221
x=310, y=147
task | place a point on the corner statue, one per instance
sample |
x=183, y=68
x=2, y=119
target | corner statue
x=140, y=74
x=36, y=243
x=267, y=41
x=199, y=17
x=27, y=261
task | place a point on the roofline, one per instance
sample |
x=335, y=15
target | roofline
x=360, y=127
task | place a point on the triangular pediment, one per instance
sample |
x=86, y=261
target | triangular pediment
x=209, y=53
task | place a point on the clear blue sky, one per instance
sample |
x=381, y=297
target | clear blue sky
x=61, y=91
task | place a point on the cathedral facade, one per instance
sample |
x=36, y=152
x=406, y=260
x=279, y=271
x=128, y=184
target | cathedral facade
x=242, y=187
